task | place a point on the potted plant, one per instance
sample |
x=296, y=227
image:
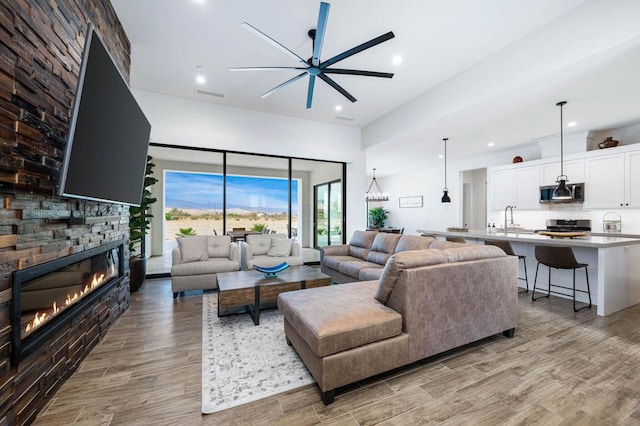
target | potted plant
x=186, y=232
x=138, y=229
x=377, y=217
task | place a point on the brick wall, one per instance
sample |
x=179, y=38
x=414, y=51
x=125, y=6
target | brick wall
x=41, y=45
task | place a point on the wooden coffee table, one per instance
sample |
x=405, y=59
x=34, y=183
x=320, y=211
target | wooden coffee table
x=250, y=289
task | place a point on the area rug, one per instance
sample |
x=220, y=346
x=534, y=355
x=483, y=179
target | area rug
x=242, y=362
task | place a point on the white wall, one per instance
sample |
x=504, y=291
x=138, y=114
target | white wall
x=185, y=122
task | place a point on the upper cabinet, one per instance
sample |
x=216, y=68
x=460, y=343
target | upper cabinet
x=527, y=191
x=611, y=178
x=613, y=181
x=573, y=169
x=502, y=189
x=632, y=179
x=518, y=186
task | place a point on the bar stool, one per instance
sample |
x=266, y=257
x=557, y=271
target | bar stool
x=456, y=239
x=560, y=257
x=506, y=247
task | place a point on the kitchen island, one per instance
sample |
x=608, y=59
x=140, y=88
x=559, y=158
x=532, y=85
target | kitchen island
x=614, y=264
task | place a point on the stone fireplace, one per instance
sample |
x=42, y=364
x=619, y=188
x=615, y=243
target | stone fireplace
x=48, y=296
x=41, y=46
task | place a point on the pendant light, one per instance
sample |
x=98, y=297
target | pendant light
x=376, y=196
x=445, y=191
x=561, y=192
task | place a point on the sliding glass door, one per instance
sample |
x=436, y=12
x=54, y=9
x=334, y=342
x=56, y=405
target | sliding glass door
x=328, y=214
x=207, y=192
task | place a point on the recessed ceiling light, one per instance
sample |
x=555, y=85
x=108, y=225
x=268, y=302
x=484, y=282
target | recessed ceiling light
x=396, y=60
x=441, y=156
x=338, y=107
x=491, y=144
x=200, y=78
x=572, y=124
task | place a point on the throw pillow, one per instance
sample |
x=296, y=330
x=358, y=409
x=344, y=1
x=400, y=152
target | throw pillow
x=193, y=249
x=280, y=247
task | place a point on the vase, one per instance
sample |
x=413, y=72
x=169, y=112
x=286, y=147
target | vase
x=608, y=142
x=137, y=272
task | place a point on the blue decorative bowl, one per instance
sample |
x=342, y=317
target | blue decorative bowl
x=271, y=272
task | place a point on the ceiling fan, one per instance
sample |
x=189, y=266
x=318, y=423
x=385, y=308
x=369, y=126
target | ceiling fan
x=314, y=67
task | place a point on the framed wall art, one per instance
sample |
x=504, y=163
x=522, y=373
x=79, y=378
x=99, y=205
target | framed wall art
x=408, y=202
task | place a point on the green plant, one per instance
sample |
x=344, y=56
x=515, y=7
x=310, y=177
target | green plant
x=259, y=227
x=186, y=232
x=139, y=216
x=377, y=217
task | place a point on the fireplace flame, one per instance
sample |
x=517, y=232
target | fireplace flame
x=40, y=318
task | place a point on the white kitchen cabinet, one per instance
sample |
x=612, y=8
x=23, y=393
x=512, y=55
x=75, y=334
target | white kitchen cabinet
x=632, y=179
x=502, y=189
x=573, y=169
x=517, y=186
x=527, y=188
x=605, y=181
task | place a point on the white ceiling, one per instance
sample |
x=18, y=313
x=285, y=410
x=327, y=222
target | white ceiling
x=475, y=71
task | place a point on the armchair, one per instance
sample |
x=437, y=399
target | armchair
x=197, y=260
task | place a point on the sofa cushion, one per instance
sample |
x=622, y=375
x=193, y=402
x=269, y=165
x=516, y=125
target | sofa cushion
x=473, y=252
x=219, y=245
x=280, y=247
x=259, y=243
x=353, y=268
x=360, y=243
x=338, y=318
x=193, y=249
x=210, y=266
x=413, y=242
x=334, y=262
x=382, y=247
x=405, y=260
x=370, y=274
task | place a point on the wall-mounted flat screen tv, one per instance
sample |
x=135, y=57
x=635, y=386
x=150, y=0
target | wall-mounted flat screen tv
x=106, y=152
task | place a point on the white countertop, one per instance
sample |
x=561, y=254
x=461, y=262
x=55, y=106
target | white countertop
x=593, y=241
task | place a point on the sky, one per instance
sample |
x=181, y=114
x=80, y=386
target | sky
x=204, y=191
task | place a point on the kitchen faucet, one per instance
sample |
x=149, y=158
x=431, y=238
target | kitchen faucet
x=505, y=217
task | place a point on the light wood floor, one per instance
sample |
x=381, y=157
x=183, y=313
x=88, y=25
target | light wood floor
x=560, y=368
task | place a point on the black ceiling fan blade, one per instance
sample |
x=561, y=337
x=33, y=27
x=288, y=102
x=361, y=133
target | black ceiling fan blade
x=286, y=83
x=336, y=86
x=318, y=40
x=272, y=42
x=265, y=68
x=358, y=72
x=357, y=49
x=312, y=82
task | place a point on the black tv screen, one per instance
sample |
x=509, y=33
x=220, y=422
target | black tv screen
x=106, y=152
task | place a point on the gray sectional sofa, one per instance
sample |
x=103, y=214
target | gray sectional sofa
x=425, y=302
x=366, y=254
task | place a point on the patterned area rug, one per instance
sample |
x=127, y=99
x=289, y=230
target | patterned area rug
x=242, y=362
